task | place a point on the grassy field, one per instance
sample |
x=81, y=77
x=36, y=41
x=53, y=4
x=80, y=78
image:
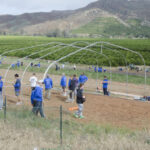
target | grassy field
x=24, y=131
x=118, y=77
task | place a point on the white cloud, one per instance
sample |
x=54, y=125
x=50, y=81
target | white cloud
x=22, y=6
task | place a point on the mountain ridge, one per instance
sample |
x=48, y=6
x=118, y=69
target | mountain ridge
x=128, y=14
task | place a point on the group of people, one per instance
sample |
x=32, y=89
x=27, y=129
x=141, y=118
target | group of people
x=18, y=64
x=75, y=88
x=35, y=65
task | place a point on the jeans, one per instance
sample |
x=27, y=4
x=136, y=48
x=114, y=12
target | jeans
x=71, y=95
x=105, y=91
x=1, y=100
x=80, y=110
x=17, y=93
x=47, y=93
x=37, y=107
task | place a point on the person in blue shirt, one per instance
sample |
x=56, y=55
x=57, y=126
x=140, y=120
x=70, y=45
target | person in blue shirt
x=13, y=65
x=63, y=83
x=18, y=63
x=1, y=95
x=17, y=87
x=100, y=69
x=105, y=85
x=83, y=78
x=39, y=65
x=37, y=101
x=48, y=86
x=95, y=69
x=105, y=70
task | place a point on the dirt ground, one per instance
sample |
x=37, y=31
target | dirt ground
x=97, y=109
x=102, y=110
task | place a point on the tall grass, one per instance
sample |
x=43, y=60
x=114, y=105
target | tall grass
x=23, y=130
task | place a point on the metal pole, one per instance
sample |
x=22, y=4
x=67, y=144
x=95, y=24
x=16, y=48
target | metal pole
x=101, y=48
x=61, y=125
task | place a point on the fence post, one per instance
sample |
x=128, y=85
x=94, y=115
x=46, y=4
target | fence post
x=5, y=108
x=61, y=125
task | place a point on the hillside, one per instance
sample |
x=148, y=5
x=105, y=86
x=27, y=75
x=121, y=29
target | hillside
x=116, y=18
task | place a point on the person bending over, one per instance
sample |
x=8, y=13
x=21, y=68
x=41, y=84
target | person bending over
x=37, y=100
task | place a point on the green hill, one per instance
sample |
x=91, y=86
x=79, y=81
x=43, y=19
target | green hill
x=106, y=27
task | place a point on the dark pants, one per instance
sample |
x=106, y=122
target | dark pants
x=105, y=91
x=37, y=107
x=70, y=94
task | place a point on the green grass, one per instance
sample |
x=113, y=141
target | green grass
x=90, y=74
x=22, y=121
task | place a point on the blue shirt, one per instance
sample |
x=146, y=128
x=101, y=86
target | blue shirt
x=1, y=85
x=100, y=69
x=63, y=81
x=39, y=65
x=37, y=94
x=13, y=65
x=18, y=64
x=105, y=85
x=83, y=79
x=48, y=83
x=17, y=85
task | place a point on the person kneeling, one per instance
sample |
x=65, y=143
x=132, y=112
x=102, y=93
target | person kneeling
x=37, y=101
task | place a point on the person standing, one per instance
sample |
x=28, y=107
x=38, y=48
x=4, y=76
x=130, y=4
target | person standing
x=37, y=100
x=18, y=63
x=63, y=83
x=1, y=95
x=33, y=81
x=72, y=84
x=74, y=67
x=80, y=100
x=105, y=85
x=63, y=66
x=48, y=86
x=17, y=87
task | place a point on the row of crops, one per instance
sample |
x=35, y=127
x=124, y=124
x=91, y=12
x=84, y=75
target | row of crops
x=116, y=56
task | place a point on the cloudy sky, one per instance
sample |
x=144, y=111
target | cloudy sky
x=22, y=6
